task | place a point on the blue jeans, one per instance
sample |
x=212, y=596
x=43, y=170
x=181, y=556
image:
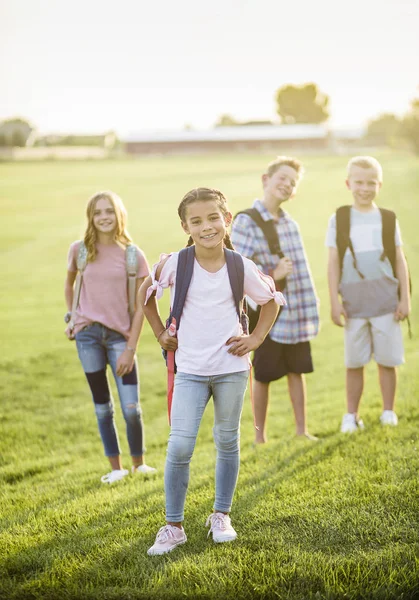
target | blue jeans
x=97, y=346
x=190, y=397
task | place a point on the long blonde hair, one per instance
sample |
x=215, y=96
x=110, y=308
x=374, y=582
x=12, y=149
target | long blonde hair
x=122, y=237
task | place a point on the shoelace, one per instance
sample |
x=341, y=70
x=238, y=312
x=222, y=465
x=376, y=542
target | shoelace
x=217, y=521
x=165, y=533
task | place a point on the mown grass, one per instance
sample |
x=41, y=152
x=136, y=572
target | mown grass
x=337, y=519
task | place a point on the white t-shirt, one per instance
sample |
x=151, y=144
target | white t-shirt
x=209, y=316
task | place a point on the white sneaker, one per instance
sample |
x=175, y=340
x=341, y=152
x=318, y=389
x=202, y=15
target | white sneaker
x=167, y=538
x=115, y=475
x=350, y=423
x=221, y=528
x=145, y=469
x=389, y=417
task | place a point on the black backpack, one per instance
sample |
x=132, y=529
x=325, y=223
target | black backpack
x=271, y=235
x=343, y=240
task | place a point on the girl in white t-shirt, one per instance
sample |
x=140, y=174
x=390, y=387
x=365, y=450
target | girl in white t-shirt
x=212, y=359
x=101, y=325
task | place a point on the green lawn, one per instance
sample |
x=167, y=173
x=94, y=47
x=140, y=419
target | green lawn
x=336, y=519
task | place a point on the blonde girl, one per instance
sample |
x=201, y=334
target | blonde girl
x=101, y=326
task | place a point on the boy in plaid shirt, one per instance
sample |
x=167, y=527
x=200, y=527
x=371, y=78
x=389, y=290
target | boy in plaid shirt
x=286, y=349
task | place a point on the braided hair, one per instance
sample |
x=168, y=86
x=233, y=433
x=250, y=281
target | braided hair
x=203, y=194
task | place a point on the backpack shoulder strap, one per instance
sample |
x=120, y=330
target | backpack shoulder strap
x=131, y=261
x=343, y=227
x=388, y=220
x=184, y=273
x=82, y=257
x=235, y=268
x=81, y=265
x=268, y=228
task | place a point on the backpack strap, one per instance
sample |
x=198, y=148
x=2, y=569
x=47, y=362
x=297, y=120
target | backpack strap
x=81, y=265
x=343, y=237
x=235, y=268
x=388, y=220
x=268, y=228
x=184, y=273
x=131, y=260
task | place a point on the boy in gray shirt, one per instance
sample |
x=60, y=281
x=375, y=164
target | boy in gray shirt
x=374, y=299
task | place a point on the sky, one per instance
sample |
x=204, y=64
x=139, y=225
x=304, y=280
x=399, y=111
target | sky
x=89, y=66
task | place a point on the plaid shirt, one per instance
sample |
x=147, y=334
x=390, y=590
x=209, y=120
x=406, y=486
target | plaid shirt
x=299, y=319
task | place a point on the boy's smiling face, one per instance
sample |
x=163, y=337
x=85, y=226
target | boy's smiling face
x=281, y=185
x=365, y=184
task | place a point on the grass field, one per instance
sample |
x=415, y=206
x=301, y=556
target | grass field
x=336, y=519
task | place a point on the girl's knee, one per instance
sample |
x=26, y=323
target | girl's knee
x=180, y=449
x=132, y=411
x=226, y=440
x=104, y=411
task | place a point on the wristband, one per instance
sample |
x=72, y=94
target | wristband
x=160, y=334
x=67, y=317
x=133, y=350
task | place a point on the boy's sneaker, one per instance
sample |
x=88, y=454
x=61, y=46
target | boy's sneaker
x=350, y=423
x=167, y=538
x=144, y=469
x=114, y=475
x=221, y=528
x=389, y=417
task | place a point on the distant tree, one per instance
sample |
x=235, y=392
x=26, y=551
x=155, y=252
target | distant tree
x=226, y=121
x=16, y=131
x=19, y=138
x=410, y=126
x=383, y=129
x=302, y=104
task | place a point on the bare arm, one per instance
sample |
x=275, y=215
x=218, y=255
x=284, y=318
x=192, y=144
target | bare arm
x=402, y=274
x=152, y=315
x=241, y=345
x=333, y=277
x=125, y=362
x=69, y=289
x=68, y=295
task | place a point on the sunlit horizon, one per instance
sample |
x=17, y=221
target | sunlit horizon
x=93, y=67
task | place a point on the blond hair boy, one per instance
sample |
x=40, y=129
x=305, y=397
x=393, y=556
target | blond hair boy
x=374, y=295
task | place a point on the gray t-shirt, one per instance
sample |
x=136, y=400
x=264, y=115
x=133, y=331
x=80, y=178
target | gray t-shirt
x=377, y=293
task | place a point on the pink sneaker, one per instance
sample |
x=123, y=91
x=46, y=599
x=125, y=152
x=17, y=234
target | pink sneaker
x=167, y=538
x=221, y=528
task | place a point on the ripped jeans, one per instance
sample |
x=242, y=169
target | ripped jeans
x=98, y=346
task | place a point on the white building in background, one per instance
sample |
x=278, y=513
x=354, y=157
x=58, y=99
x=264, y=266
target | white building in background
x=258, y=138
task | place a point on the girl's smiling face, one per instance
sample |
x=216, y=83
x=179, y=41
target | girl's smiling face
x=206, y=223
x=104, y=217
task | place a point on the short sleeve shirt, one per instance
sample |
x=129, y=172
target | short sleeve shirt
x=104, y=290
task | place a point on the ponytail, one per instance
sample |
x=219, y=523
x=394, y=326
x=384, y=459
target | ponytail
x=190, y=242
x=227, y=242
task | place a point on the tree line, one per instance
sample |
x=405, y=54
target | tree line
x=295, y=104
x=307, y=104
